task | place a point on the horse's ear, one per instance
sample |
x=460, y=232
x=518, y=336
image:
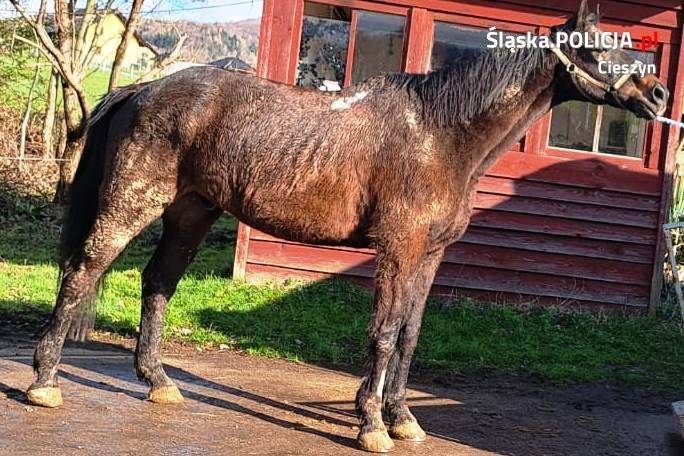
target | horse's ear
x=582, y=14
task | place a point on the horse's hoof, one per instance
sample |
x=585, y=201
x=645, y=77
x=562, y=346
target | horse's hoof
x=376, y=441
x=45, y=396
x=409, y=431
x=165, y=395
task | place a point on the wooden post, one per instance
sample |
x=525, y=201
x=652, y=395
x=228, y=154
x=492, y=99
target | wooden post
x=418, y=42
x=241, y=251
x=279, y=39
x=668, y=167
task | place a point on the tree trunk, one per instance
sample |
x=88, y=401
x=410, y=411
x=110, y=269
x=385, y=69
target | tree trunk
x=74, y=142
x=49, y=120
x=27, y=113
x=131, y=26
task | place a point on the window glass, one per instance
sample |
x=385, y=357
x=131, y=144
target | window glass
x=378, y=45
x=453, y=42
x=583, y=126
x=572, y=125
x=323, y=48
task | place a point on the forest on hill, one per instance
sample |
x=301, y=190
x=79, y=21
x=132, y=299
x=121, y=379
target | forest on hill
x=205, y=42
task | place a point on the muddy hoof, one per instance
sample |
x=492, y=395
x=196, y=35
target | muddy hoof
x=409, y=431
x=375, y=442
x=45, y=396
x=165, y=395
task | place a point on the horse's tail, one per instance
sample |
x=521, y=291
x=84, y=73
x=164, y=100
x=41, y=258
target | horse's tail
x=83, y=202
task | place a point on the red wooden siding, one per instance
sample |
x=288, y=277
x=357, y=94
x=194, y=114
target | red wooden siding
x=551, y=227
x=526, y=238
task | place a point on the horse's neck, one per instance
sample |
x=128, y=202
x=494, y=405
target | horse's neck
x=537, y=109
x=498, y=130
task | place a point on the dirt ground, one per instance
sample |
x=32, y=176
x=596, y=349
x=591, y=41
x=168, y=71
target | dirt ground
x=241, y=405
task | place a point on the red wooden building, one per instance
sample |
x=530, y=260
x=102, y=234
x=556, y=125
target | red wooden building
x=568, y=216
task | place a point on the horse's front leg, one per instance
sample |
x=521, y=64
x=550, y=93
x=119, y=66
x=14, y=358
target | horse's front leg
x=393, y=281
x=403, y=425
x=186, y=223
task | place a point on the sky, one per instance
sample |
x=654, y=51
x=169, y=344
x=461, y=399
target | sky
x=191, y=10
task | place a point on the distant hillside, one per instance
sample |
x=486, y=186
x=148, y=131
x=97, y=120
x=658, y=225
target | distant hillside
x=206, y=42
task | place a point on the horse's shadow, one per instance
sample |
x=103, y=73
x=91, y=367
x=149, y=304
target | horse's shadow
x=464, y=412
x=121, y=377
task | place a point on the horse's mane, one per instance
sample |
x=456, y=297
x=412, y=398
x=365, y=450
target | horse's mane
x=470, y=85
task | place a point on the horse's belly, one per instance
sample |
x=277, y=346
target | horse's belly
x=310, y=217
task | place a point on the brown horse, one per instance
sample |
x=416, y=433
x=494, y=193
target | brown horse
x=390, y=163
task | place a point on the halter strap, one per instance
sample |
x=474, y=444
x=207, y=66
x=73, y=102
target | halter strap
x=571, y=68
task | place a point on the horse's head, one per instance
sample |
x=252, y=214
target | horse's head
x=581, y=78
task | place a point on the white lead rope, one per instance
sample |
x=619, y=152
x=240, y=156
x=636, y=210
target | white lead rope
x=670, y=121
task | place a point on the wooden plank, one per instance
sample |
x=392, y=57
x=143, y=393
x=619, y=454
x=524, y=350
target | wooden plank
x=589, y=248
x=489, y=279
x=265, y=38
x=642, y=12
x=302, y=256
x=258, y=273
x=656, y=143
x=665, y=21
x=630, y=253
x=505, y=186
x=595, y=172
x=509, y=257
x=559, y=264
x=418, y=41
x=281, y=34
x=369, y=6
x=561, y=209
x=561, y=227
x=350, y=48
x=241, y=251
x=307, y=258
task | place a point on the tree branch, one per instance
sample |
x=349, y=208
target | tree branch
x=55, y=56
x=131, y=26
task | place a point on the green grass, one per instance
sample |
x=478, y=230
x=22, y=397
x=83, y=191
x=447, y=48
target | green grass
x=326, y=322
x=16, y=74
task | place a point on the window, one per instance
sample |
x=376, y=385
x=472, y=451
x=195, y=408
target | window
x=323, y=49
x=584, y=126
x=378, y=45
x=453, y=42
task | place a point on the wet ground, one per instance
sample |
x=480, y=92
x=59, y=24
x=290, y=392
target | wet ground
x=241, y=405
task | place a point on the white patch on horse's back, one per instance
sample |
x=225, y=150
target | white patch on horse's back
x=345, y=103
x=512, y=91
x=410, y=116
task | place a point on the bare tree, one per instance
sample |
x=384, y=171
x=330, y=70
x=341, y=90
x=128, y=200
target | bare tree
x=163, y=61
x=70, y=52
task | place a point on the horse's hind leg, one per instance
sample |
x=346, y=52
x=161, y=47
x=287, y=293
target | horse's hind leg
x=186, y=223
x=403, y=425
x=127, y=209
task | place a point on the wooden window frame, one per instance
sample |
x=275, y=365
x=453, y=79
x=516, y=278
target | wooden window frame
x=650, y=149
x=418, y=39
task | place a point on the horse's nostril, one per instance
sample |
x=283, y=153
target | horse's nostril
x=659, y=93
